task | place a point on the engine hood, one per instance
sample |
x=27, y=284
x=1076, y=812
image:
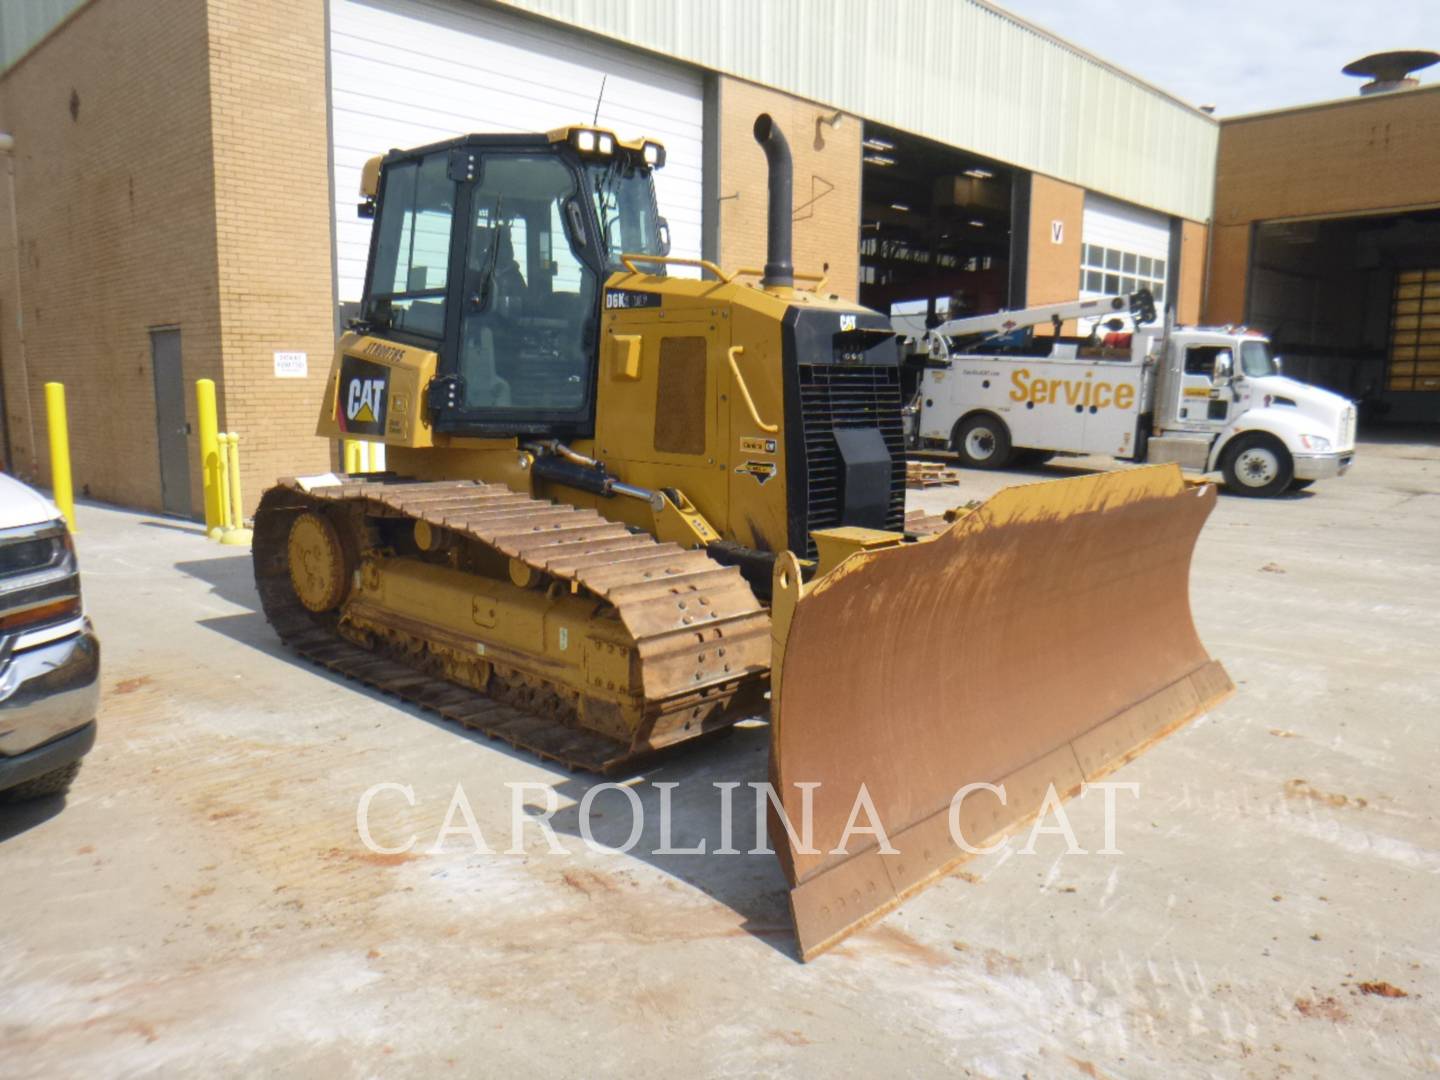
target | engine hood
x=1304, y=408
x=1312, y=400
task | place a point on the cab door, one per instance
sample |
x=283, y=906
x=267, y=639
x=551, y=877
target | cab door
x=1207, y=395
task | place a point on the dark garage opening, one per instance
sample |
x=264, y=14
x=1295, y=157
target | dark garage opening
x=935, y=225
x=1353, y=304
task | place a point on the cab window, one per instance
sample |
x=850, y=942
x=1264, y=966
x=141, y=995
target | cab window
x=625, y=207
x=531, y=300
x=1200, y=359
x=412, y=248
x=1256, y=358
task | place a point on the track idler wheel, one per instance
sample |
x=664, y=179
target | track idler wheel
x=319, y=570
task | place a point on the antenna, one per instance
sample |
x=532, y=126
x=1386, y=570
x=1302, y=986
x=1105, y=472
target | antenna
x=598, y=99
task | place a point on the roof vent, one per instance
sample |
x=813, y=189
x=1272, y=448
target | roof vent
x=1389, y=71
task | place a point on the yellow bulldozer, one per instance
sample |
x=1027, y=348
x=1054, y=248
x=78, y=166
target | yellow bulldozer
x=624, y=509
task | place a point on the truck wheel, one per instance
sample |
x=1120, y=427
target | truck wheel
x=56, y=782
x=1257, y=465
x=982, y=441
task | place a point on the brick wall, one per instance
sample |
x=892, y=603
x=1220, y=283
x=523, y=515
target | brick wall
x=1193, y=255
x=1229, y=264
x=115, y=197
x=1354, y=156
x=827, y=184
x=170, y=171
x=1339, y=158
x=272, y=222
x=1053, y=270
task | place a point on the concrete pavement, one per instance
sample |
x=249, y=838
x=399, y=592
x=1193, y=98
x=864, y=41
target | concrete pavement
x=203, y=902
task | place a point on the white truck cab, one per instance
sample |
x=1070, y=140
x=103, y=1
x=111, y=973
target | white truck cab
x=1207, y=398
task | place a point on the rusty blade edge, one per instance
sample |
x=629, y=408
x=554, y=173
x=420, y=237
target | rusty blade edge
x=1219, y=691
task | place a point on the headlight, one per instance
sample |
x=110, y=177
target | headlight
x=654, y=155
x=1314, y=442
x=585, y=141
x=607, y=144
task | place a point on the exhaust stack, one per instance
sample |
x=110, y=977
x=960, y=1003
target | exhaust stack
x=779, y=264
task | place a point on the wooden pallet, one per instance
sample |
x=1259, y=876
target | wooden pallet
x=926, y=474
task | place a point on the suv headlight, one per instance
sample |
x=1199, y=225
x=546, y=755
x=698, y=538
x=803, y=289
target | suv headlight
x=1315, y=442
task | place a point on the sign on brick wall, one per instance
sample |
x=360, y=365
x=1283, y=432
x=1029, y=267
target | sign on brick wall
x=291, y=365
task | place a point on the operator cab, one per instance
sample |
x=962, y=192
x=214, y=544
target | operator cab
x=491, y=251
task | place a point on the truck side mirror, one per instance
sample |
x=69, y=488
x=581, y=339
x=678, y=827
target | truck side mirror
x=1279, y=366
x=664, y=229
x=1224, y=367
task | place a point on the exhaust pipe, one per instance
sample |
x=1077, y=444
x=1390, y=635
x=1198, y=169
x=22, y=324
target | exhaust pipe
x=779, y=264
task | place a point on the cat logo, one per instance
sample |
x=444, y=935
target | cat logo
x=847, y=322
x=360, y=404
x=365, y=400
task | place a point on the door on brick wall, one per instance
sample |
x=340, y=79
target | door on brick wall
x=171, y=430
x=1125, y=248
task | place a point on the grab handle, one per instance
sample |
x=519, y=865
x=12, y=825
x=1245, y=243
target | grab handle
x=736, y=350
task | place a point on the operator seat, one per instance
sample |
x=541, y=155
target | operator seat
x=483, y=386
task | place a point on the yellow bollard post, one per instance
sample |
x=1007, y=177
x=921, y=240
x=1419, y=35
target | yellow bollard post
x=60, y=483
x=209, y=427
x=237, y=502
x=236, y=533
x=222, y=484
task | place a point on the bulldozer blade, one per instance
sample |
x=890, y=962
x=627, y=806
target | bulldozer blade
x=1041, y=641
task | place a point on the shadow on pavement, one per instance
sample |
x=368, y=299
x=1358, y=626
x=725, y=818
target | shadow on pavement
x=751, y=885
x=230, y=579
x=20, y=817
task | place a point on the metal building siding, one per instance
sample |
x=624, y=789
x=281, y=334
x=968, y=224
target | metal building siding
x=957, y=71
x=409, y=72
x=23, y=24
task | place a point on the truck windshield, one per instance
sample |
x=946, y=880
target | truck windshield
x=625, y=206
x=1255, y=359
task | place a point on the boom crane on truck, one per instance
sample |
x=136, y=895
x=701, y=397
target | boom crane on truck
x=1210, y=399
x=1139, y=305
x=627, y=508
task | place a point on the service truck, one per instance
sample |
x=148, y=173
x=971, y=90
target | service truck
x=1208, y=398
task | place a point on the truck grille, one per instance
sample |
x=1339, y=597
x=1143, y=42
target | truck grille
x=847, y=396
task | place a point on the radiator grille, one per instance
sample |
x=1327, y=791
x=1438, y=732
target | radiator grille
x=847, y=396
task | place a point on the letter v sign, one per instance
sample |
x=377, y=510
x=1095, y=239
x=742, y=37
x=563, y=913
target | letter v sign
x=1057, y=231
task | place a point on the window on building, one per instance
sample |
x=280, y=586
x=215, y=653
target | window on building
x=1414, y=362
x=1108, y=271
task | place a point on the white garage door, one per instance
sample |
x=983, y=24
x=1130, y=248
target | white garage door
x=1125, y=248
x=404, y=73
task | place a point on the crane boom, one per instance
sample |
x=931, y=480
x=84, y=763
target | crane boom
x=1139, y=304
